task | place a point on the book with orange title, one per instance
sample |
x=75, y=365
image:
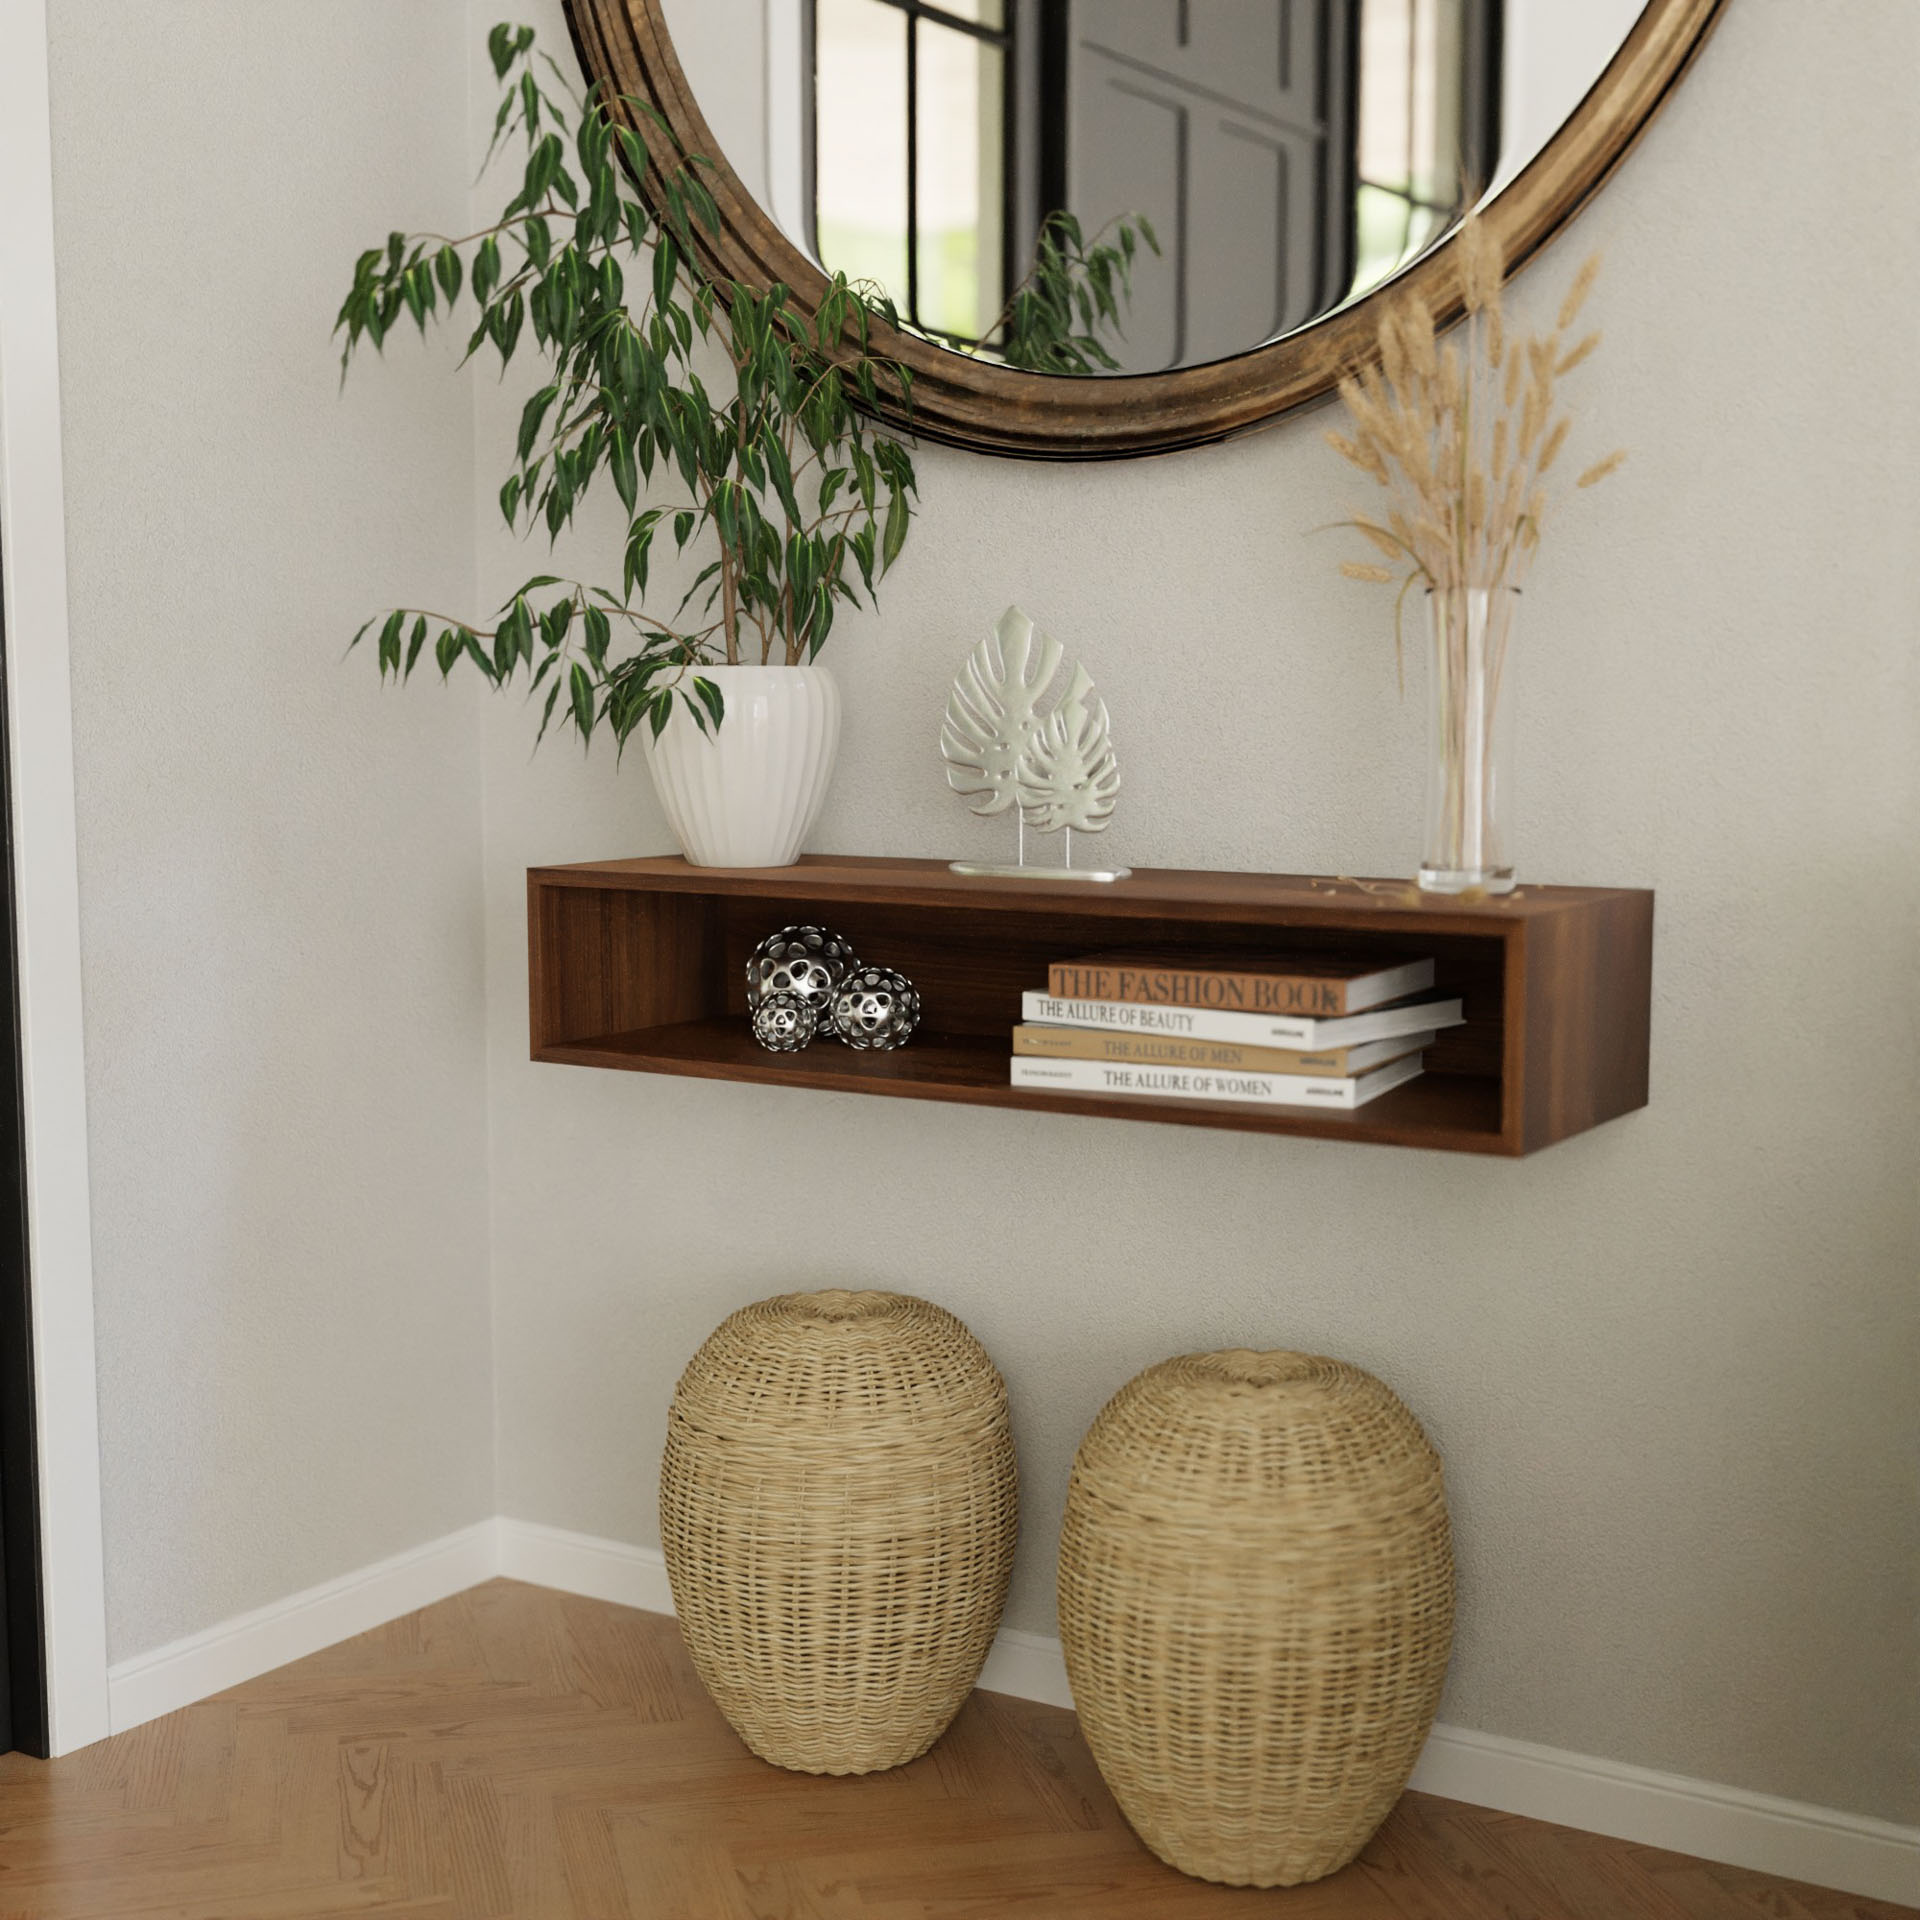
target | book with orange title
x=1316, y=985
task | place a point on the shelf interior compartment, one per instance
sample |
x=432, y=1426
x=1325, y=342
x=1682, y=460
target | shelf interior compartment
x=667, y=958
x=972, y=1068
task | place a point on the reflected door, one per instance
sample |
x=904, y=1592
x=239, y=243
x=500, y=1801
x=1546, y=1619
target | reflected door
x=1230, y=129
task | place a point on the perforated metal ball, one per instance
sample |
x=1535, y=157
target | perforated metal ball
x=784, y=1023
x=875, y=1007
x=807, y=961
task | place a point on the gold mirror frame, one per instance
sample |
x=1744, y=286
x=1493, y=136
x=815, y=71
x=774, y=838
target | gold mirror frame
x=625, y=45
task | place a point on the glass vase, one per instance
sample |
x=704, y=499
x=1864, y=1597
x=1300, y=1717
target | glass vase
x=1469, y=736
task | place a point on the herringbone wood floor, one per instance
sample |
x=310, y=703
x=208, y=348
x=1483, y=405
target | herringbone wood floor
x=515, y=1752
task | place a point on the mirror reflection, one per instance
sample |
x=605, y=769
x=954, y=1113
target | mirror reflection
x=1137, y=185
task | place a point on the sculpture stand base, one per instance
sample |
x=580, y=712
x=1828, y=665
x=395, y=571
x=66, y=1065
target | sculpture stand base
x=976, y=870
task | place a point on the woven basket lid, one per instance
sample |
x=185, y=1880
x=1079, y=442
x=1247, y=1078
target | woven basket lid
x=1274, y=1440
x=838, y=1361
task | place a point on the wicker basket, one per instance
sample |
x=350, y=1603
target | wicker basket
x=838, y=1510
x=1256, y=1605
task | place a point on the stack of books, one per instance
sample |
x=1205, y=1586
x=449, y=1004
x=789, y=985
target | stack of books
x=1304, y=1029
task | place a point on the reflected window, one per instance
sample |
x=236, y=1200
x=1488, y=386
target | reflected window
x=1428, y=133
x=909, y=141
x=1288, y=154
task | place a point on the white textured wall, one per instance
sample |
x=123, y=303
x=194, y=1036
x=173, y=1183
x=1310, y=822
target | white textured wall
x=1670, y=1363
x=280, y=883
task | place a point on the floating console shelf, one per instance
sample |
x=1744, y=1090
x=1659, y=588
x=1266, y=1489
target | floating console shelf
x=641, y=964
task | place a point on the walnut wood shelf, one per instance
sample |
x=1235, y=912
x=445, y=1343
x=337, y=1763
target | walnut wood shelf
x=640, y=964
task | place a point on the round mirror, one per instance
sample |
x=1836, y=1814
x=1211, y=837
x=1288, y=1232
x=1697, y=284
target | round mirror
x=1118, y=226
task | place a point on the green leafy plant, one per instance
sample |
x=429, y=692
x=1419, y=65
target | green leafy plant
x=1075, y=288
x=754, y=418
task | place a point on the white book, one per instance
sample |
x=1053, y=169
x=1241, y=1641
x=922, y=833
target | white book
x=1298, y=1031
x=1197, y=1083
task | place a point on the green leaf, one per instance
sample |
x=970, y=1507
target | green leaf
x=780, y=472
x=470, y=646
x=639, y=543
x=414, y=644
x=666, y=264
x=499, y=128
x=514, y=641
x=446, y=650
x=500, y=49
x=683, y=524
x=506, y=323
x=633, y=150
x=626, y=477
x=486, y=269
x=448, y=270
x=413, y=290
x=531, y=417
x=581, y=698
x=590, y=144
x=390, y=642
x=599, y=636
x=710, y=698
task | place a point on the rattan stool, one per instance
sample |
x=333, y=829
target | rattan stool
x=1256, y=1606
x=838, y=1511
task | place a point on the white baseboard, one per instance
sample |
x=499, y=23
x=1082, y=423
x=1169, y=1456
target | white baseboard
x=254, y=1643
x=1712, y=1822
x=584, y=1564
x=1874, y=1858
x=1029, y=1666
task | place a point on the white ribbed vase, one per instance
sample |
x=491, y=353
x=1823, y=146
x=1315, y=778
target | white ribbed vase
x=747, y=795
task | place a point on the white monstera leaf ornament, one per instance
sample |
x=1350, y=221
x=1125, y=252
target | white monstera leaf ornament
x=1055, y=772
x=990, y=711
x=1068, y=777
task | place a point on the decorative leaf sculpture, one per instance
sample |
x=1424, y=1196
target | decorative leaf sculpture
x=1069, y=777
x=990, y=721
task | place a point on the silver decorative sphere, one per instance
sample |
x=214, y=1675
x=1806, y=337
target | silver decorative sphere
x=807, y=961
x=875, y=1007
x=784, y=1023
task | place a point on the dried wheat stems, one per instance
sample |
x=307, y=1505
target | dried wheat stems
x=1462, y=434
